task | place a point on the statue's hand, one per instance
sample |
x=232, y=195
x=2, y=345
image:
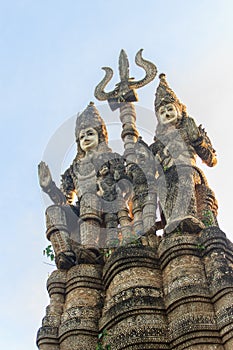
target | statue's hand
x=44, y=174
x=192, y=129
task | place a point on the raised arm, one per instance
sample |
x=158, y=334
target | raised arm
x=49, y=186
x=201, y=142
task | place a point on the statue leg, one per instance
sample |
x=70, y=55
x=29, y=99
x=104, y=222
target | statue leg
x=179, y=206
x=58, y=234
x=207, y=205
x=90, y=220
x=111, y=226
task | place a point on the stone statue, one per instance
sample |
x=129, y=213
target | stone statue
x=186, y=200
x=74, y=229
x=172, y=291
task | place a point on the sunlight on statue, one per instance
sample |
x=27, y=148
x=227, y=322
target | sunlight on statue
x=187, y=201
x=168, y=114
x=117, y=195
x=88, y=140
x=74, y=229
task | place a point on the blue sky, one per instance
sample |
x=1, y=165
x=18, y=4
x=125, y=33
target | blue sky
x=51, y=58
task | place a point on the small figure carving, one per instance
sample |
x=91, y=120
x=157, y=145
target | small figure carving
x=178, y=140
x=80, y=179
x=144, y=199
x=111, y=186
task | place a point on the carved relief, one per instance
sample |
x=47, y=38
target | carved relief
x=119, y=285
x=182, y=188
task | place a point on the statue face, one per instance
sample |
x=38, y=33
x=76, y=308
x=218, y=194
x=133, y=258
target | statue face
x=88, y=139
x=168, y=114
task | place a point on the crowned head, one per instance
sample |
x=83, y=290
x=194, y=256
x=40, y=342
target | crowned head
x=168, y=108
x=89, y=124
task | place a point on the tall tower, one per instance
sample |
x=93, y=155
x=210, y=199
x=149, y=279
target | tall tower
x=119, y=284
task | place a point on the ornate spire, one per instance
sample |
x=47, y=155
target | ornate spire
x=164, y=94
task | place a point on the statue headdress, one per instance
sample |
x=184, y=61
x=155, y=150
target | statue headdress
x=90, y=117
x=164, y=95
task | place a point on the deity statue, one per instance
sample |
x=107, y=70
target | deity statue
x=187, y=202
x=110, y=212
x=74, y=229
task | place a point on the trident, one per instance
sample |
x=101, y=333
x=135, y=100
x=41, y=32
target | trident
x=125, y=89
x=122, y=97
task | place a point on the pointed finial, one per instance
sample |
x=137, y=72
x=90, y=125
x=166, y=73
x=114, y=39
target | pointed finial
x=164, y=95
x=125, y=89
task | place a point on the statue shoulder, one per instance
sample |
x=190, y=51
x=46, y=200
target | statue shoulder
x=156, y=146
x=67, y=183
x=200, y=141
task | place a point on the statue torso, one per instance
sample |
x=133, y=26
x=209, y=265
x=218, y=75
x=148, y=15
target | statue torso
x=174, y=148
x=81, y=177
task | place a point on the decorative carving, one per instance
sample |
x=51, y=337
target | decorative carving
x=180, y=183
x=125, y=90
x=81, y=179
x=144, y=197
x=142, y=291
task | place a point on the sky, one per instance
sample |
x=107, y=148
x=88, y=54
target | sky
x=51, y=58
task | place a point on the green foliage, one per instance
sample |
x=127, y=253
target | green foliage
x=102, y=337
x=200, y=247
x=108, y=253
x=132, y=238
x=208, y=218
x=99, y=346
x=178, y=230
x=136, y=242
x=49, y=253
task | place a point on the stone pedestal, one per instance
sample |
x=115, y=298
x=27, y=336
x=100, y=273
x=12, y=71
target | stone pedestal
x=48, y=334
x=174, y=295
x=191, y=314
x=218, y=261
x=71, y=321
x=134, y=315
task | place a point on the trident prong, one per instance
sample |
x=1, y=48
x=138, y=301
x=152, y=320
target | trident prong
x=125, y=89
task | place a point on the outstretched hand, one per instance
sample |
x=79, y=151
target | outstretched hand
x=192, y=129
x=44, y=174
